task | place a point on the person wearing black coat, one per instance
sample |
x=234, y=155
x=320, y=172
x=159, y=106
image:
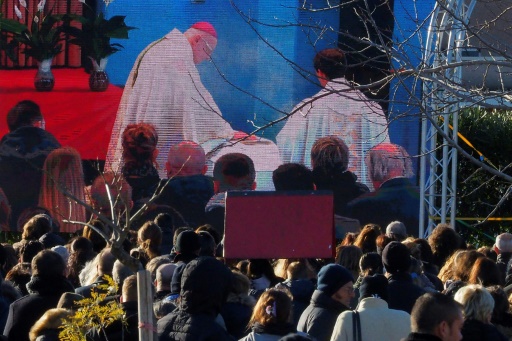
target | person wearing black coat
x=335, y=289
x=205, y=286
x=45, y=289
x=402, y=292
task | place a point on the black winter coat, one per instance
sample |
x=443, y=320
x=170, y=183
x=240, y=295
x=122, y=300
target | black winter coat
x=474, y=330
x=205, y=286
x=320, y=316
x=23, y=313
x=402, y=292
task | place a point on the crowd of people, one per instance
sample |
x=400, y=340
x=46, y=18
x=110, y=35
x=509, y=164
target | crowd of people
x=384, y=283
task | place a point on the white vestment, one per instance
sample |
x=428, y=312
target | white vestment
x=336, y=110
x=164, y=88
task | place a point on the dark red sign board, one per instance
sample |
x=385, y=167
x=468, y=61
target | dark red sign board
x=294, y=224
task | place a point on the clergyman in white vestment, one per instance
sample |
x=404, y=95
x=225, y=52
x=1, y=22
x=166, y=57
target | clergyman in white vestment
x=164, y=88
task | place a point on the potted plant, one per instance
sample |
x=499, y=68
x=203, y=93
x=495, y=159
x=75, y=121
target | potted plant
x=94, y=38
x=42, y=42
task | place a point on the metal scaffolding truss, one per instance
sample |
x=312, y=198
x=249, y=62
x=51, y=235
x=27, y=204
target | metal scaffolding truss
x=446, y=37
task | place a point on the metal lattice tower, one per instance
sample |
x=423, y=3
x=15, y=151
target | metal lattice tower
x=438, y=165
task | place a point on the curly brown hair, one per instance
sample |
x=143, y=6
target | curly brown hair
x=139, y=144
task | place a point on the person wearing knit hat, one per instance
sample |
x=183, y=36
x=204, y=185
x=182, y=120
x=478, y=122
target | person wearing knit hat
x=402, y=292
x=503, y=248
x=377, y=321
x=396, y=257
x=396, y=230
x=335, y=289
x=164, y=89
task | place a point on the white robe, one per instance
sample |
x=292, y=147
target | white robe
x=164, y=88
x=336, y=110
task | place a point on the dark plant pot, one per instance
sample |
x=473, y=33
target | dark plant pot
x=44, y=80
x=98, y=81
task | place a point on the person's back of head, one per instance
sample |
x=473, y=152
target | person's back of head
x=98, y=242
x=396, y=230
x=209, y=228
x=149, y=238
x=139, y=145
x=48, y=263
x=349, y=256
x=207, y=243
x=297, y=270
x=330, y=154
x=444, y=241
x=396, y=258
x=274, y=307
x=164, y=276
x=477, y=302
x=106, y=262
x=155, y=263
x=331, y=62
x=129, y=289
x=234, y=171
x=37, y=226
x=293, y=177
x=387, y=161
x=120, y=193
x=186, y=158
x=24, y=114
x=485, y=272
x=120, y=272
x=370, y=264
x=503, y=243
x=366, y=240
x=241, y=284
x=29, y=249
x=437, y=314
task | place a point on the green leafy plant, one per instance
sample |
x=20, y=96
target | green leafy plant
x=96, y=32
x=93, y=313
x=9, y=28
x=43, y=40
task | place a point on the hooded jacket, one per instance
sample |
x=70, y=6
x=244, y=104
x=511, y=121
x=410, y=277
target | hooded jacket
x=205, y=286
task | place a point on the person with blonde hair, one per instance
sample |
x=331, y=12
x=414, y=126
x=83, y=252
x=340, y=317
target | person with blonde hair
x=271, y=316
x=478, y=306
x=49, y=325
x=63, y=181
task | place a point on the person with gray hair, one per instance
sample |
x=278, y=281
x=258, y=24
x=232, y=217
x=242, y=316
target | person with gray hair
x=120, y=272
x=396, y=230
x=503, y=248
x=162, y=304
x=104, y=266
x=478, y=306
x=187, y=189
x=394, y=197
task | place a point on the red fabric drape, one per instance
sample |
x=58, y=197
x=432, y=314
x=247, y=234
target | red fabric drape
x=75, y=115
